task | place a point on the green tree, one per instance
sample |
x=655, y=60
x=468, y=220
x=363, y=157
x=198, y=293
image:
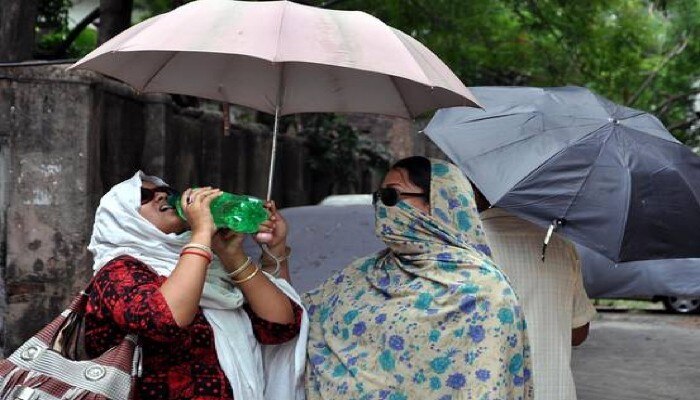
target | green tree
x=338, y=152
x=639, y=53
x=53, y=37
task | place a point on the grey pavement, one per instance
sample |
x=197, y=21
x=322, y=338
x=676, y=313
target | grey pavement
x=640, y=355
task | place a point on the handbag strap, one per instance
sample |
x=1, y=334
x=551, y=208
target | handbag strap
x=66, y=337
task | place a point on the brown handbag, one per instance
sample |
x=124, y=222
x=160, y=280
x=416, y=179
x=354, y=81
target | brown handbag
x=51, y=365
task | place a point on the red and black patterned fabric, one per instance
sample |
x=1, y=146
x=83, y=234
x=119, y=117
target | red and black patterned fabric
x=178, y=363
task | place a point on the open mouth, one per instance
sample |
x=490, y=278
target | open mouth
x=165, y=207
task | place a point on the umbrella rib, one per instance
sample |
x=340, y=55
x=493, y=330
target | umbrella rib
x=542, y=165
x=509, y=143
x=490, y=117
x=621, y=233
x=403, y=99
x=426, y=62
x=674, y=167
x=529, y=137
x=279, y=32
x=163, y=65
x=588, y=174
x=688, y=184
x=602, y=104
x=632, y=116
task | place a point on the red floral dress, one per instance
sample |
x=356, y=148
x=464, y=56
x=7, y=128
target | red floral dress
x=178, y=363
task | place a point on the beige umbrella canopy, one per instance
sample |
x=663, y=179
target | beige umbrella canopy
x=281, y=58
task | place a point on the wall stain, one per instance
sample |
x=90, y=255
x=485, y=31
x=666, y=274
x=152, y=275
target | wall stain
x=38, y=265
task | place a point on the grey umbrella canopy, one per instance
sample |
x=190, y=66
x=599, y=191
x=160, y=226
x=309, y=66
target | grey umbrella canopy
x=620, y=183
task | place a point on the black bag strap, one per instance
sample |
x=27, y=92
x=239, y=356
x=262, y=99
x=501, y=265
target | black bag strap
x=69, y=338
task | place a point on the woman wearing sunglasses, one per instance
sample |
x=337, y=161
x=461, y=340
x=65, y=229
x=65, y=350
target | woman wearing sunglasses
x=201, y=307
x=431, y=316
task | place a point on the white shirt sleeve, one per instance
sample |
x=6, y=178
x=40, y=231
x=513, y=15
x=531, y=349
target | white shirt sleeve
x=583, y=310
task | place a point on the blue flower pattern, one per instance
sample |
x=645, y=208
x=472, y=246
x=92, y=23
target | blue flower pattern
x=430, y=317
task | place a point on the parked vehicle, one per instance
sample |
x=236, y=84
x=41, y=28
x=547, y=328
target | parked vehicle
x=674, y=282
x=326, y=238
x=346, y=199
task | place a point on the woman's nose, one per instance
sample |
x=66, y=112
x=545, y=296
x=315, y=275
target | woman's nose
x=160, y=196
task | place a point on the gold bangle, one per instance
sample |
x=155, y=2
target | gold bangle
x=198, y=246
x=241, y=268
x=249, y=277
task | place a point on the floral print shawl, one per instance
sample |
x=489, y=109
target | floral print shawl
x=431, y=317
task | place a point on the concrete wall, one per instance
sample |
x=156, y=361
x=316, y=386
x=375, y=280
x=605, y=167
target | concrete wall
x=67, y=137
x=50, y=181
x=4, y=193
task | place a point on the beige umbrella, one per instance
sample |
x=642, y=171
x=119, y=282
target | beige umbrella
x=281, y=58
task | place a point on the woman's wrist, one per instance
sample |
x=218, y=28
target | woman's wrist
x=279, y=250
x=234, y=260
x=274, y=260
x=201, y=238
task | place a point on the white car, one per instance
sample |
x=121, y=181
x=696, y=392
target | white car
x=346, y=200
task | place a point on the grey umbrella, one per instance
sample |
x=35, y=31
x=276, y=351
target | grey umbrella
x=609, y=177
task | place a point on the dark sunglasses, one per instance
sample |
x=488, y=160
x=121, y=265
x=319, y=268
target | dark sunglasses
x=390, y=196
x=149, y=194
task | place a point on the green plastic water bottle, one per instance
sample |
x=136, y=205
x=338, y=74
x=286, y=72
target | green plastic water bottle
x=238, y=213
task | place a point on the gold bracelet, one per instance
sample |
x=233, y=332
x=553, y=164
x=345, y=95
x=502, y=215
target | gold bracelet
x=241, y=268
x=198, y=246
x=249, y=277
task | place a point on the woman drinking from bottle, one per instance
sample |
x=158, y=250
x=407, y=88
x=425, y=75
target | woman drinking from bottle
x=201, y=307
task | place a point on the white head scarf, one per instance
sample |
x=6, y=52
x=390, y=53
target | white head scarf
x=255, y=371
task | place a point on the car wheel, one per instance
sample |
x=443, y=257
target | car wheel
x=682, y=305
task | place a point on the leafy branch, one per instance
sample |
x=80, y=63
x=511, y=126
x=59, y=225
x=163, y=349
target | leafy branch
x=678, y=49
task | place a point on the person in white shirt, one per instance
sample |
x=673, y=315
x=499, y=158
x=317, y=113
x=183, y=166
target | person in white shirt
x=557, y=309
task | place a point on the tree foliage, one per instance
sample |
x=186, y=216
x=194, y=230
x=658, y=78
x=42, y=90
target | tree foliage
x=338, y=151
x=644, y=54
x=54, y=38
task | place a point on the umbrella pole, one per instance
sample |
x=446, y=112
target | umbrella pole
x=274, y=151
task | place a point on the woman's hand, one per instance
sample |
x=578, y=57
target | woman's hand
x=195, y=204
x=228, y=245
x=183, y=288
x=273, y=232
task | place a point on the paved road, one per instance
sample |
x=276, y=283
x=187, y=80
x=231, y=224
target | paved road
x=641, y=355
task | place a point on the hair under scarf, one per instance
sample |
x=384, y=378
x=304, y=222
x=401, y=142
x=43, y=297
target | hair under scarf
x=431, y=317
x=255, y=371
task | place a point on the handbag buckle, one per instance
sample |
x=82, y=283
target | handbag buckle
x=24, y=393
x=29, y=353
x=95, y=373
